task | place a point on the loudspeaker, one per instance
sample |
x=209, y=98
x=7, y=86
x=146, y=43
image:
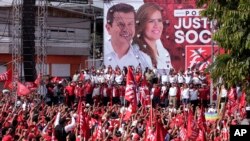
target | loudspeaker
x=28, y=40
x=30, y=69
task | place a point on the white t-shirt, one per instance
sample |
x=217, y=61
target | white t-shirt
x=105, y=92
x=101, y=78
x=188, y=79
x=86, y=76
x=180, y=78
x=75, y=77
x=196, y=80
x=211, y=110
x=173, y=110
x=94, y=79
x=109, y=77
x=172, y=91
x=224, y=93
x=193, y=94
x=119, y=78
x=164, y=78
x=96, y=91
x=163, y=90
x=185, y=93
x=172, y=79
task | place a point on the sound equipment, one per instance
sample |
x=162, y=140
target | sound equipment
x=28, y=40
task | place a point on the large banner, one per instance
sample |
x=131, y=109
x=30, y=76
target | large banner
x=158, y=35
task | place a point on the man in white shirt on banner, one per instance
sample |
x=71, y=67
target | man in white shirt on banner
x=121, y=28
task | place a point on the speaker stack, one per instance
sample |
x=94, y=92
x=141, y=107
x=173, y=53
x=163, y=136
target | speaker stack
x=28, y=40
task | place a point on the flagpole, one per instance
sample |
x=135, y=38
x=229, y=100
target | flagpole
x=124, y=101
x=218, y=101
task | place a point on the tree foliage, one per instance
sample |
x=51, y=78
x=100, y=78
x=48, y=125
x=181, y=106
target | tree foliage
x=233, y=22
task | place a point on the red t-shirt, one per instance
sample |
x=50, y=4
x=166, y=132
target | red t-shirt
x=122, y=91
x=88, y=88
x=138, y=77
x=79, y=91
x=157, y=91
x=203, y=93
x=69, y=90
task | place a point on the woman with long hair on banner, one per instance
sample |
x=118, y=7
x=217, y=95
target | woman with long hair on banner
x=149, y=27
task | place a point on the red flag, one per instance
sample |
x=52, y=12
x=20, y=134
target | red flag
x=242, y=102
x=97, y=135
x=22, y=90
x=160, y=132
x=128, y=113
x=202, y=119
x=232, y=95
x=83, y=121
x=38, y=80
x=234, y=107
x=130, y=93
x=151, y=135
x=192, y=131
x=147, y=130
x=56, y=79
x=183, y=133
x=144, y=95
x=5, y=76
x=81, y=78
x=201, y=136
x=31, y=86
x=151, y=116
x=85, y=127
x=80, y=116
x=189, y=123
x=8, y=82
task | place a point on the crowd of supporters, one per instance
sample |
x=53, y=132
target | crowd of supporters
x=96, y=105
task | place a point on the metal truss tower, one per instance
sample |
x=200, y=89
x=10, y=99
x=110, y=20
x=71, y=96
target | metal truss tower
x=42, y=38
x=16, y=43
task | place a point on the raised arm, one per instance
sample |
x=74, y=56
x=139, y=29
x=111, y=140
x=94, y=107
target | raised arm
x=57, y=119
x=71, y=125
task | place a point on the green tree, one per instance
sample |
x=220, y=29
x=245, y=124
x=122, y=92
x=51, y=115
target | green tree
x=233, y=22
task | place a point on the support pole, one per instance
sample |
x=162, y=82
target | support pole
x=16, y=45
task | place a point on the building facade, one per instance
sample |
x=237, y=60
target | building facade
x=68, y=40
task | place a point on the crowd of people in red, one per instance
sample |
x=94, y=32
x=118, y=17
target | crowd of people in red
x=124, y=104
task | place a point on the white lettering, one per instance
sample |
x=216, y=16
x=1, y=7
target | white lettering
x=240, y=132
x=179, y=36
x=201, y=36
x=188, y=36
x=205, y=22
x=237, y=132
x=196, y=23
x=243, y=131
x=179, y=24
x=187, y=24
x=193, y=13
x=187, y=12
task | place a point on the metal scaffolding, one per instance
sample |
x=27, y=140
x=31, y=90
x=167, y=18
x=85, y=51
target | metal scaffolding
x=16, y=43
x=42, y=39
